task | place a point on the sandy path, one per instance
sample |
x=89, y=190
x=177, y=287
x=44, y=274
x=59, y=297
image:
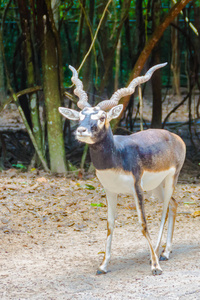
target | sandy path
x=58, y=260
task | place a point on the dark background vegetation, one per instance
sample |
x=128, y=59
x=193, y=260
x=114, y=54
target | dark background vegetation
x=40, y=38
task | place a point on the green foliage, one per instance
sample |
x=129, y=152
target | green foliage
x=97, y=204
x=20, y=166
x=196, y=3
x=3, y=4
x=89, y=187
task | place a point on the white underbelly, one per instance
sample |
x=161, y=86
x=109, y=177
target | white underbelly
x=151, y=180
x=123, y=182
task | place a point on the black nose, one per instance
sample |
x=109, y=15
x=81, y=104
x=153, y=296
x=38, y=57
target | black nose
x=81, y=129
x=94, y=127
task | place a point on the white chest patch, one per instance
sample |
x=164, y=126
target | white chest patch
x=115, y=181
x=123, y=182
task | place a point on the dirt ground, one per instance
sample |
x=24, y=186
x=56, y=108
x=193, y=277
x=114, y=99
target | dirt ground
x=53, y=229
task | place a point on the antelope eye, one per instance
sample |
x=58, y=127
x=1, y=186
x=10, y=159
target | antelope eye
x=102, y=119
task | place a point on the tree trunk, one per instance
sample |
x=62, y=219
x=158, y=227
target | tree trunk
x=117, y=65
x=80, y=34
x=156, y=90
x=140, y=30
x=156, y=78
x=30, y=72
x=55, y=10
x=175, y=63
x=129, y=42
x=2, y=81
x=51, y=90
x=196, y=4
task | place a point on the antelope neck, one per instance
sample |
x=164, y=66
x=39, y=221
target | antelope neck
x=104, y=153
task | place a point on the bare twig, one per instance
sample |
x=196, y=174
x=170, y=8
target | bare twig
x=95, y=36
x=176, y=107
x=21, y=93
x=188, y=21
x=141, y=107
x=197, y=108
x=70, y=97
x=92, y=37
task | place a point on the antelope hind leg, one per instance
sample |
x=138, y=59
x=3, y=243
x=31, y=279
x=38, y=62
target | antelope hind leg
x=165, y=195
x=171, y=222
x=138, y=195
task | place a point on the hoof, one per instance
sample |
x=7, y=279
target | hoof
x=163, y=258
x=100, y=272
x=156, y=271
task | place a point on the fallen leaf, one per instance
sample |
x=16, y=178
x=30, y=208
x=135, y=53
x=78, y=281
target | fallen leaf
x=196, y=213
x=98, y=204
x=70, y=224
x=89, y=187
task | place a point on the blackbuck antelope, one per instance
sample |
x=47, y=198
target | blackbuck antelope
x=149, y=160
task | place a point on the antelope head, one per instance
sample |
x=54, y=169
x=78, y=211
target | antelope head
x=94, y=121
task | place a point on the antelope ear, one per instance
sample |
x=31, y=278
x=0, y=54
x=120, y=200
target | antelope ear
x=114, y=112
x=69, y=113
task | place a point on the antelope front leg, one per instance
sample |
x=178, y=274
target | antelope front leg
x=138, y=195
x=111, y=204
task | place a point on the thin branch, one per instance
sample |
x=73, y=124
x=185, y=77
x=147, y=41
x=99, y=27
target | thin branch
x=197, y=108
x=70, y=97
x=141, y=107
x=188, y=21
x=92, y=37
x=176, y=107
x=95, y=36
x=21, y=93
